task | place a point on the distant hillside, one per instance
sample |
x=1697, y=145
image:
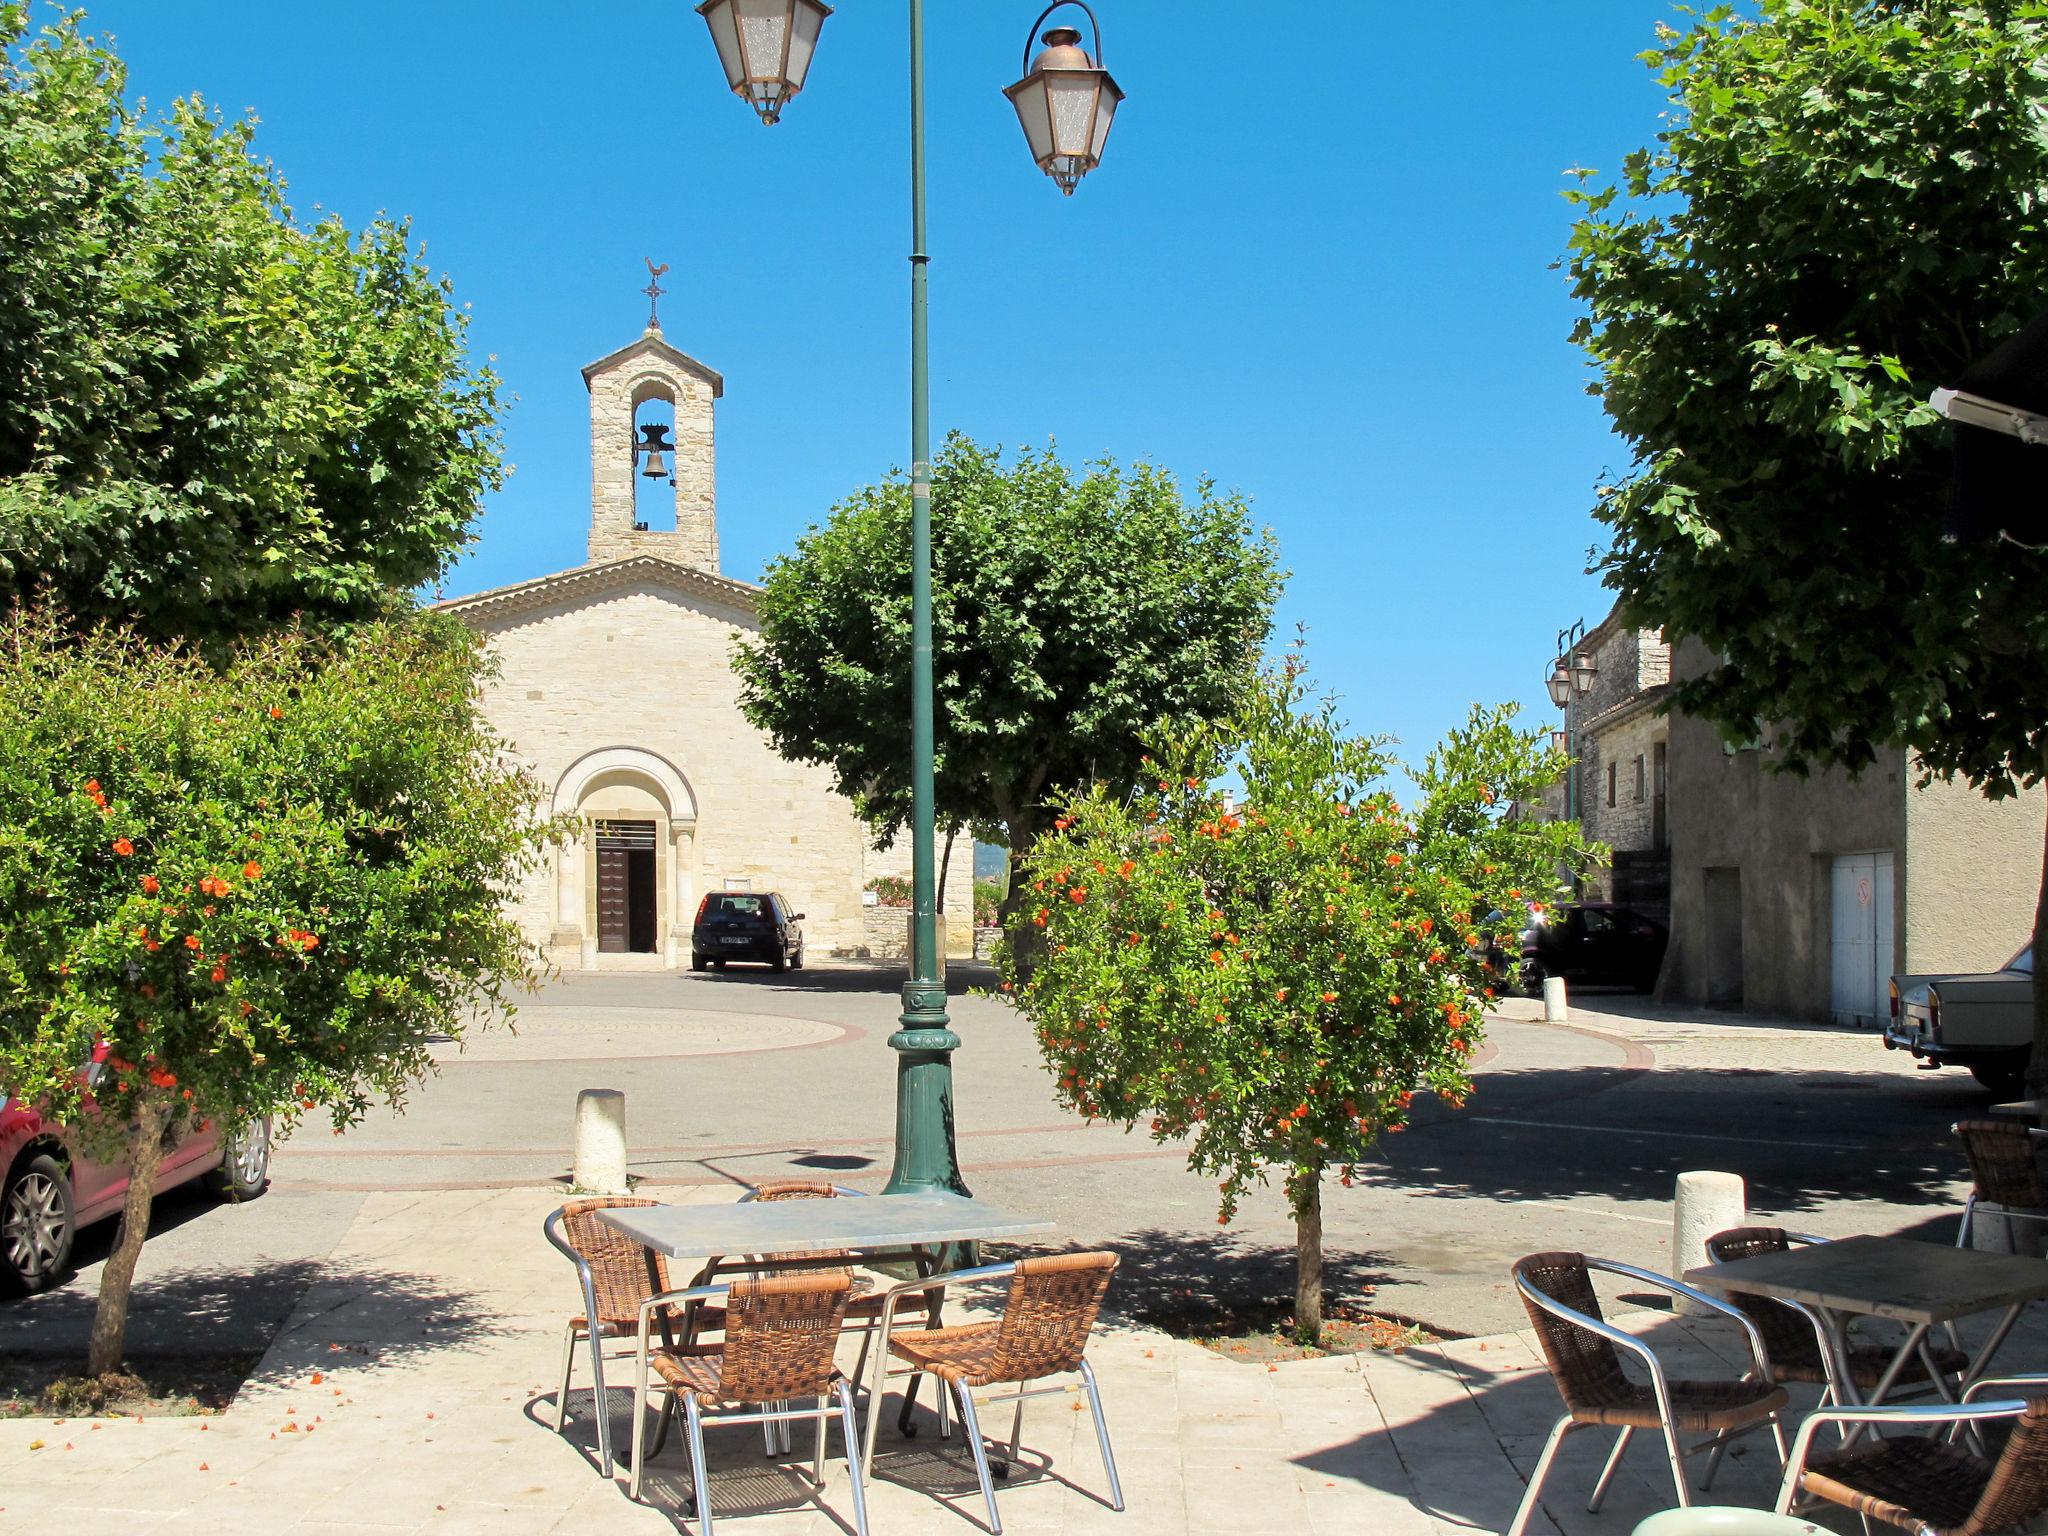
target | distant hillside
x=989, y=860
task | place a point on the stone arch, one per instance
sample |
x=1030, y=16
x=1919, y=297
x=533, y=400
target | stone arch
x=638, y=785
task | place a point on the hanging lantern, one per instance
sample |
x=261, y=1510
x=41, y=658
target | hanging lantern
x=1559, y=683
x=1065, y=101
x=765, y=47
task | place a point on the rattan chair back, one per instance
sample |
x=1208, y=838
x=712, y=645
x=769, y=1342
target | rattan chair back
x=1585, y=1366
x=780, y=1332
x=1788, y=1335
x=623, y=1273
x=1049, y=1313
x=2017, y=1494
x=2002, y=1166
x=792, y=1189
x=802, y=1189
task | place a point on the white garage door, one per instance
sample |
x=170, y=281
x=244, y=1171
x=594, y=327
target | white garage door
x=1861, y=908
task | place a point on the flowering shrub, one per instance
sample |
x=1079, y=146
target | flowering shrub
x=891, y=890
x=263, y=885
x=1278, y=980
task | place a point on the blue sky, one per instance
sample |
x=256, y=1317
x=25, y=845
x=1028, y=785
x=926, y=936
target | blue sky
x=1314, y=266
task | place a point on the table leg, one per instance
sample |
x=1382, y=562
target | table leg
x=1915, y=1337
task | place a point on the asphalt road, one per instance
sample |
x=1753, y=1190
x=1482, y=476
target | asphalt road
x=1573, y=1140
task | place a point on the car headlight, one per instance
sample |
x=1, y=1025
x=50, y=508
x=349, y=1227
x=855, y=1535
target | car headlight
x=1933, y=1012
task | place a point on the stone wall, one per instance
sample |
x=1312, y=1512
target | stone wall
x=1973, y=871
x=619, y=385
x=641, y=673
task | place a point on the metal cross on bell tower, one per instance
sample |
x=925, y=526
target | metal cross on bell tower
x=654, y=291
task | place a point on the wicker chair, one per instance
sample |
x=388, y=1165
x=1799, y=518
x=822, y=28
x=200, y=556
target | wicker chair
x=1928, y=1485
x=1796, y=1341
x=616, y=1274
x=2003, y=1172
x=1043, y=1331
x=780, y=1334
x=1580, y=1348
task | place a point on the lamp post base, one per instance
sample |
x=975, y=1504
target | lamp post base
x=924, y=1042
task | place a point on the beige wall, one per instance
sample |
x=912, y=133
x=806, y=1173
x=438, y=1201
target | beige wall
x=644, y=670
x=1973, y=871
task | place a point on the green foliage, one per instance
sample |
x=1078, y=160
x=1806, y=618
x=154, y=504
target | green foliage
x=266, y=886
x=1844, y=211
x=890, y=890
x=988, y=899
x=211, y=418
x=1070, y=611
x=1279, y=980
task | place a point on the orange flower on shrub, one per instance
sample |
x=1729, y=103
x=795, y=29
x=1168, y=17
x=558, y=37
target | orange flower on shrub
x=123, y=847
x=149, y=885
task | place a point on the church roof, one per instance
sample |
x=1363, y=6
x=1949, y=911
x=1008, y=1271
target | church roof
x=651, y=340
x=587, y=583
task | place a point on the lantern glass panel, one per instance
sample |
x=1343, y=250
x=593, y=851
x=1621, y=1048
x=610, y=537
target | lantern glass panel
x=803, y=42
x=1072, y=94
x=719, y=17
x=1560, y=685
x=764, y=33
x=1029, y=100
x=1105, y=109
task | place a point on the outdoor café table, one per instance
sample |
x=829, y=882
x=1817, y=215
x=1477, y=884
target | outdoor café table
x=1918, y=1284
x=877, y=1228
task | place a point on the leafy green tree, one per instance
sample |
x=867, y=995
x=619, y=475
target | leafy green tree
x=1276, y=980
x=211, y=418
x=259, y=887
x=1844, y=210
x=1070, y=612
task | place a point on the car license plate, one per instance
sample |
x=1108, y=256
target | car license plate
x=735, y=941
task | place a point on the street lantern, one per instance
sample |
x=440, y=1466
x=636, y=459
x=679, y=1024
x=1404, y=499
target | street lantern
x=1583, y=671
x=765, y=47
x=1559, y=683
x=1065, y=101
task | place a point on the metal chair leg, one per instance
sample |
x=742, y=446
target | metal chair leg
x=700, y=1476
x=639, y=1427
x=971, y=1427
x=661, y=1424
x=903, y=1425
x=1614, y=1464
x=568, y=1362
x=824, y=1423
x=1116, y=1488
x=1538, y=1473
x=1678, y=1476
x=849, y=1424
x=600, y=1402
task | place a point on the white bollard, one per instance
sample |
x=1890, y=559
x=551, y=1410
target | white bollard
x=1555, y=1009
x=1705, y=1203
x=601, y=1142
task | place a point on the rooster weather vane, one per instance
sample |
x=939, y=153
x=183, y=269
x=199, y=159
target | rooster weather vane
x=654, y=291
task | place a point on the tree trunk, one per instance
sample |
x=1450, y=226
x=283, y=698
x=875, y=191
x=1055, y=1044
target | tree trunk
x=110, y=1319
x=945, y=867
x=2037, y=1063
x=1013, y=912
x=1305, y=1194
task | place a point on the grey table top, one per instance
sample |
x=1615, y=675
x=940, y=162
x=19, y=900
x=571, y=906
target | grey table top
x=770, y=1227
x=1884, y=1277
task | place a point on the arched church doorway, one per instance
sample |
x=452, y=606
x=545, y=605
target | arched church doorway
x=623, y=888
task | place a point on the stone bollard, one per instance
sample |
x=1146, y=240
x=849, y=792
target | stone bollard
x=600, y=1142
x=1556, y=1010
x=1705, y=1203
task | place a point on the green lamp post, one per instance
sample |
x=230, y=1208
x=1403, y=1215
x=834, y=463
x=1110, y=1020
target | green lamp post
x=1065, y=103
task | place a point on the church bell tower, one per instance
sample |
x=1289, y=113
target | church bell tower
x=639, y=396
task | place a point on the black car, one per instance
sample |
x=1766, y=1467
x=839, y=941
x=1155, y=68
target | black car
x=1593, y=942
x=747, y=925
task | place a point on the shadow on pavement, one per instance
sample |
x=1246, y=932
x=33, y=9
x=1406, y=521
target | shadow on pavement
x=1802, y=1140
x=1190, y=1282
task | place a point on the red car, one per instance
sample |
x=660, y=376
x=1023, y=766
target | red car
x=49, y=1189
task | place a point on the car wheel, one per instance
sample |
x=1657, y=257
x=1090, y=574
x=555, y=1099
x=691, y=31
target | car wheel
x=2004, y=1082
x=37, y=1224
x=718, y=965
x=779, y=963
x=1532, y=977
x=796, y=961
x=244, y=1171
x=699, y=963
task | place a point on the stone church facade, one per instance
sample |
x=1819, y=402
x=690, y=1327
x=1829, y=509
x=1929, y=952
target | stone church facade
x=615, y=689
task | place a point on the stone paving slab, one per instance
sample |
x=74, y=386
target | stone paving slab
x=413, y=1391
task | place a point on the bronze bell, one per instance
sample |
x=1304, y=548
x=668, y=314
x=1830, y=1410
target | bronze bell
x=655, y=444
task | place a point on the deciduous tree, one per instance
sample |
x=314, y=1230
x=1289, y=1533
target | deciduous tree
x=1070, y=612
x=1845, y=209
x=256, y=885
x=1277, y=979
x=212, y=417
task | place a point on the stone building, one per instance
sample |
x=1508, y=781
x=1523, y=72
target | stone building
x=1787, y=895
x=615, y=688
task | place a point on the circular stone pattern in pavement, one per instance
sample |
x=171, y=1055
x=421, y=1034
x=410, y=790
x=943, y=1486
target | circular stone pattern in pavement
x=590, y=1033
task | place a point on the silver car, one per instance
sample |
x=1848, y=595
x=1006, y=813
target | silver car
x=1982, y=1021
